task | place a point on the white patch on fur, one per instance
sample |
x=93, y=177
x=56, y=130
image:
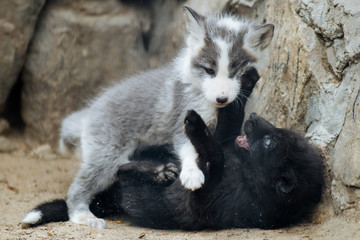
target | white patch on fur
x=63, y=149
x=221, y=86
x=223, y=63
x=209, y=114
x=32, y=217
x=185, y=58
x=232, y=24
x=191, y=176
x=71, y=129
x=67, y=152
x=87, y=218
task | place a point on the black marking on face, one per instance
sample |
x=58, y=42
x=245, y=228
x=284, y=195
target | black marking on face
x=238, y=57
x=206, y=61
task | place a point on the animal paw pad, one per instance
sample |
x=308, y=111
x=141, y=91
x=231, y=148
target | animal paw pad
x=167, y=173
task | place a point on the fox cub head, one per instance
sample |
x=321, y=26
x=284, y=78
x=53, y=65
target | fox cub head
x=219, y=50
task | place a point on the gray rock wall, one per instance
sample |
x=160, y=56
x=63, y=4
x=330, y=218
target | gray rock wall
x=79, y=47
x=17, y=23
x=311, y=83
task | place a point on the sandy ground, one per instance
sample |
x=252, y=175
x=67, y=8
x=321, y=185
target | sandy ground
x=27, y=180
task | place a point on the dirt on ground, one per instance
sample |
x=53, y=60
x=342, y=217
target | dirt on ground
x=29, y=177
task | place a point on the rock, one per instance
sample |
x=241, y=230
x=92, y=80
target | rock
x=324, y=17
x=17, y=23
x=341, y=60
x=286, y=85
x=350, y=7
x=340, y=195
x=6, y=145
x=351, y=36
x=79, y=48
x=4, y=126
x=166, y=31
x=327, y=110
x=332, y=115
x=345, y=161
x=44, y=152
x=247, y=3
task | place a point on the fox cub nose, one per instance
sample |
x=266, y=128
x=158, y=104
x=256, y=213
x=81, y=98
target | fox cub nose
x=252, y=115
x=222, y=100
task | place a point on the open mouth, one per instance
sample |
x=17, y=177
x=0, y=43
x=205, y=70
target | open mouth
x=242, y=142
x=220, y=105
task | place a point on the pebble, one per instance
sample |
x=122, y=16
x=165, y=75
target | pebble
x=6, y=145
x=44, y=152
x=4, y=125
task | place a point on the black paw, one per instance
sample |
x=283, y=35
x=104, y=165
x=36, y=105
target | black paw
x=195, y=126
x=249, y=80
x=166, y=173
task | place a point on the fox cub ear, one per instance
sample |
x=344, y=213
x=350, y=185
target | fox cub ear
x=286, y=183
x=196, y=24
x=260, y=36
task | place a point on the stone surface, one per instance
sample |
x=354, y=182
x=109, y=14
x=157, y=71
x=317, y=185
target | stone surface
x=247, y=3
x=342, y=197
x=327, y=111
x=79, y=47
x=332, y=116
x=7, y=145
x=17, y=23
x=323, y=17
x=4, y=126
x=351, y=36
x=350, y=7
x=337, y=57
x=283, y=93
x=44, y=151
x=345, y=161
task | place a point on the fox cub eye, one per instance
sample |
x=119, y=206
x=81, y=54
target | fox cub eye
x=268, y=143
x=209, y=71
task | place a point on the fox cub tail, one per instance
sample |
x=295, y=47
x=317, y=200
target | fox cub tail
x=54, y=211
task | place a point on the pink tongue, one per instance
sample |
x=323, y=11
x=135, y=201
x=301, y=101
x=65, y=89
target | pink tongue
x=242, y=142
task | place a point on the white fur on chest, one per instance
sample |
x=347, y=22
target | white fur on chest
x=206, y=110
x=209, y=115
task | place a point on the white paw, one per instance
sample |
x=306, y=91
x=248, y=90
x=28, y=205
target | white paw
x=96, y=223
x=192, y=178
x=87, y=218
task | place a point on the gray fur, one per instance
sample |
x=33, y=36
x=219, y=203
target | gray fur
x=149, y=109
